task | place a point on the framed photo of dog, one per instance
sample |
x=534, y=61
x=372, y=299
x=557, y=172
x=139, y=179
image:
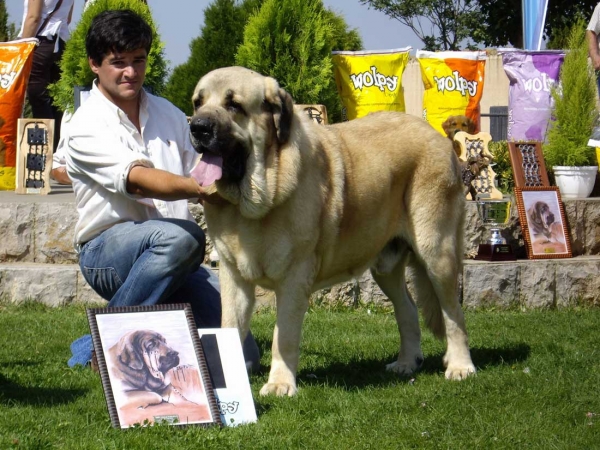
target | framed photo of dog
x=542, y=218
x=152, y=366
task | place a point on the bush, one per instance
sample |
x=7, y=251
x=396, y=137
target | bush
x=574, y=112
x=502, y=166
x=75, y=70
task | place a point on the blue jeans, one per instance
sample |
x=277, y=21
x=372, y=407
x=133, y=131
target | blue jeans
x=153, y=262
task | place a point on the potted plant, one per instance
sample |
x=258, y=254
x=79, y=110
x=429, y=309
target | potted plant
x=567, y=153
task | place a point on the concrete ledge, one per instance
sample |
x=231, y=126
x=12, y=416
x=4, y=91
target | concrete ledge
x=51, y=284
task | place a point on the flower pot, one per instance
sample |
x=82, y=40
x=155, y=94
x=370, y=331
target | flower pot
x=575, y=182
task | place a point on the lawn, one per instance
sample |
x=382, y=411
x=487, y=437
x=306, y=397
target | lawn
x=536, y=387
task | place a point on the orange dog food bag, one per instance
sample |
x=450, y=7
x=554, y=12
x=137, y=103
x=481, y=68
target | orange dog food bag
x=15, y=66
x=453, y=84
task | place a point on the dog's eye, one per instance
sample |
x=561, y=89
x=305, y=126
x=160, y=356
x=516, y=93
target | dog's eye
x=235, y=107
x=150, y=344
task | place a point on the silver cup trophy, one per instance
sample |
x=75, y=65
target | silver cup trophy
x=495, y=215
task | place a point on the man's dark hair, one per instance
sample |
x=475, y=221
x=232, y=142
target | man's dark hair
x=117, y=31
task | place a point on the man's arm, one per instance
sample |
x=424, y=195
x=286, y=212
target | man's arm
x=33, y=19
x=593, y=50
x=163, y=185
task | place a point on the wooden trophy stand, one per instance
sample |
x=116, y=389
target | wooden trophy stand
x=35, y=138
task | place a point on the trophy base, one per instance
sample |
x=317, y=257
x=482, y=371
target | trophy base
x=495, y=252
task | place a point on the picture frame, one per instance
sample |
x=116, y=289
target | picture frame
x=542, y=218
x=527, y=162
x=152, y=366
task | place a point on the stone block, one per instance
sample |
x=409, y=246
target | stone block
x=54, y=232
x=17, y=222
x=577, y=282
x=537, y=283
x=487, y=284
x=52, y=285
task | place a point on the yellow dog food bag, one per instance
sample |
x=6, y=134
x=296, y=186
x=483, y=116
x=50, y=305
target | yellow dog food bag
x=453, y=84
x=15, y=66
x=369, y=81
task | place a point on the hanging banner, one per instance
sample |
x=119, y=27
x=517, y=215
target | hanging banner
x=531, y=75
x=453, y=84
x=369, y=81
x=534, y=18
x=15, y=65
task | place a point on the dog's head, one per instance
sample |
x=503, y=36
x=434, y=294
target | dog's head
x=541, y=215
x=143, y=355
x=233, y=107
x=454, y=124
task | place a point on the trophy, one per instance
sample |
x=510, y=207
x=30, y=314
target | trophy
x=494, y=214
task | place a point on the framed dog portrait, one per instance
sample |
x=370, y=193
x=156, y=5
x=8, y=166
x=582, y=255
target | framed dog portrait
x=528, y=165
x=152, y=366
x=542, y=218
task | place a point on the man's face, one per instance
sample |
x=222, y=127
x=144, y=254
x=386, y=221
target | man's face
x=121, y=75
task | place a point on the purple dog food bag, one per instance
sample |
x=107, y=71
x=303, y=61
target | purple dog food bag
x=531, y=75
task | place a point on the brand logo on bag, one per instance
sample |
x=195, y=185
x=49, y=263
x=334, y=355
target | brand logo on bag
x=6, y=79
x=374, y=78
x=538, y=84
x=456, y=83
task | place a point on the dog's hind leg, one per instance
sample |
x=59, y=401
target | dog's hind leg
x=436, y=281
x=393, y=284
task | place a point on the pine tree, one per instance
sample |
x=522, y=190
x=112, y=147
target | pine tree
x=219, y=39
x=292, y=40
x=7, y=30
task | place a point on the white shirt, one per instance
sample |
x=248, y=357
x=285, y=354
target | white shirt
x=102, y=145
x=58, y=23
x=594, y=24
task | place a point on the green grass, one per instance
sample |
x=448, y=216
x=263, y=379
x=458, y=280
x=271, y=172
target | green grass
x=537, y=387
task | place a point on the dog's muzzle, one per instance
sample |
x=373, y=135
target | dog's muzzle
x=203, y=133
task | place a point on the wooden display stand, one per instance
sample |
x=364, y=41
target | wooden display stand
x=35, y=138
x=475, y=147
x=318, y=113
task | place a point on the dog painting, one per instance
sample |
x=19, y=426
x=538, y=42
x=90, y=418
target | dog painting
x=296, y=206
x=545, y=228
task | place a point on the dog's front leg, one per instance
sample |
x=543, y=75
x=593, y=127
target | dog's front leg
x=292, y=303
x=237, y=299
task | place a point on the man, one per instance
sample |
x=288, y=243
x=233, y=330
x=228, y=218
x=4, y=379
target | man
x=129, y=156
x=593, y=38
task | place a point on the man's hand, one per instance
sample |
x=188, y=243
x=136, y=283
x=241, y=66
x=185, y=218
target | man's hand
x=593, y=49
x=60, y=175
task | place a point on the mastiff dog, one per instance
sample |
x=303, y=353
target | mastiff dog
x=297, y=206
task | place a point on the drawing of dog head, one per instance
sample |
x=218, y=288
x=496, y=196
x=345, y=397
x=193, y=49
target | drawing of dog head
x=541, y=219
x=140, y=360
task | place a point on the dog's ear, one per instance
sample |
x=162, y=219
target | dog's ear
x=129, y=353
x=446, y=125
x=282, y=108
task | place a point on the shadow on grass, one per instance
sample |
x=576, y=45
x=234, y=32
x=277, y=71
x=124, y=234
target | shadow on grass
x=371, y=372
x=14, y=394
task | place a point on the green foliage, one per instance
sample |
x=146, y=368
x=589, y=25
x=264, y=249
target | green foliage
x=538, y=374
x=502, y=166
x=8, y=31
x=574, y=110
x=222, y=33
x=75, y=70
x=452, y=22
x=292, y=40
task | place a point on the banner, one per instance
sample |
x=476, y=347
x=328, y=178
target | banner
x=531, y=75
x=369, y=81
x=534, y=18
x=15, y=65
x=453, y=84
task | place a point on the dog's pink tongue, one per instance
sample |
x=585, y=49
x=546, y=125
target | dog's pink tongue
x=208, y=170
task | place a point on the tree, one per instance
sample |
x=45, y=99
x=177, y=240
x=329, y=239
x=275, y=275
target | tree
x=75, y=70
x=222, y=33
x=292, y=40
x=7, y=30
x=439, y=24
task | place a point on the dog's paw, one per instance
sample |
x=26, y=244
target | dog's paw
x=279, y=389
x=458, y=373
x=405, y=367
